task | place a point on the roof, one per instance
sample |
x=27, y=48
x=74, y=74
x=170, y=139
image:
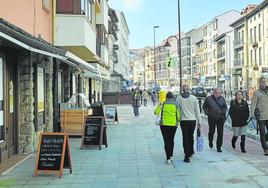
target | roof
x=253, y=12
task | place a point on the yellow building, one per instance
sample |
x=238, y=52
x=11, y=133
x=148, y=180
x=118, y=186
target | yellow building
x=250, y=46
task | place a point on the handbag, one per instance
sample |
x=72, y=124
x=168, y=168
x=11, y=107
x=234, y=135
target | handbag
x=158, y=118
x=199, y=140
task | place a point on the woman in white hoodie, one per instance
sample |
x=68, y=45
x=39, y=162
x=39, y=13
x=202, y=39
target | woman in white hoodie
x=190, y=117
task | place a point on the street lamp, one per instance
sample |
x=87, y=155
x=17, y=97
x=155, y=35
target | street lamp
x=156, y=26
x=178, y=44
x=167, y=44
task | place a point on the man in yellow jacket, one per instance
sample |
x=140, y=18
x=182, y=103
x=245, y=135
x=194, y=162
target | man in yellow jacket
x=170, y=116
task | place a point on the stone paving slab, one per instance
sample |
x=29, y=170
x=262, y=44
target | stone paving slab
x=135, y=158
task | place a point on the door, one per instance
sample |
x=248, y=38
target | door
x=11, y=128
x=8, y=130
x=2, y=125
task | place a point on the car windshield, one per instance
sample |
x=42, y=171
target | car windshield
x=200, y=89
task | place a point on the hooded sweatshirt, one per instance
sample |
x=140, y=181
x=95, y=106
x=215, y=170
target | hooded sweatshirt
x=189, y=107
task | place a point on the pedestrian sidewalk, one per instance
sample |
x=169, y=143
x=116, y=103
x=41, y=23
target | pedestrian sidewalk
x=135, y=158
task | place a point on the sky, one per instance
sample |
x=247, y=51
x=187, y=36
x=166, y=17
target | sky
x=143, y=15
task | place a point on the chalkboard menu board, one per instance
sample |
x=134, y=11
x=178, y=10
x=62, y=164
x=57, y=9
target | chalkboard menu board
x=94, y=132
x=53, y=153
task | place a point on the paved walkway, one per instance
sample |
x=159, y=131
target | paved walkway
x=135, y=159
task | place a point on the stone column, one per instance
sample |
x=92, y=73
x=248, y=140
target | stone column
x=67, y=83
x=26, y=113
x=49, y=96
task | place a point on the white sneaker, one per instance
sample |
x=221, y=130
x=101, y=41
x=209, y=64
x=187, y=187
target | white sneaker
x=168, y=161
x=171, y=158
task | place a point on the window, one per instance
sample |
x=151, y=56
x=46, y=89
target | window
x=46, y=5
x=80, y=7
x=251, y=56
x=215, y=25
x=40, y=92
x=260, y=56
x=205, y=31
x=255, y=34
x=251, y=35
x=255, y=56
x=259, y=32
x=60, y=99
x=2, y=129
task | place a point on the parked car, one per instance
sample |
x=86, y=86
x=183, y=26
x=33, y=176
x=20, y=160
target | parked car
x=199, y=91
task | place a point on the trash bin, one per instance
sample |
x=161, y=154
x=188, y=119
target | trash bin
x=162, y=96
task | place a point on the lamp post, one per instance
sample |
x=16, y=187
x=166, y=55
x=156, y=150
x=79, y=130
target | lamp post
x=167, y=44
x=178, y=44
x=156, y=26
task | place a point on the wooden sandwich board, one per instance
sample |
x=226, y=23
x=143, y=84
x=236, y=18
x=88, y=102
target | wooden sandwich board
x=94, y=132
x=53, y=154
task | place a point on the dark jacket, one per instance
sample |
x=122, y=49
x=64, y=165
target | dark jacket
x=215, y=108
x=239, y=113
x=135, y=99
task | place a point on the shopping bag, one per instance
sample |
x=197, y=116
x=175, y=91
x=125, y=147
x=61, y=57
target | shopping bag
x=158, y=120
x=199, y=141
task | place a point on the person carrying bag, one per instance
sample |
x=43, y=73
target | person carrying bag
x=170, y=116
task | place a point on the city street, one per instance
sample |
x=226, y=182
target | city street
x=135, y=158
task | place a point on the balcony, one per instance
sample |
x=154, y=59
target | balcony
x=238, y=63
x=221, y=55
x=238, y=43
x=198, y=62
x=76, y=34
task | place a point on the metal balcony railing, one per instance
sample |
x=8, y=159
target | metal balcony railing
x=238, y=43
x=221, y=54
x=238, y=62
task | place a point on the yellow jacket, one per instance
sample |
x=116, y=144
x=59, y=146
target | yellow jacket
x=170, y=113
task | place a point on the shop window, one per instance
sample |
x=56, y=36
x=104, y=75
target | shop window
x=60, y=89
x=2, y=134
x=40, y=96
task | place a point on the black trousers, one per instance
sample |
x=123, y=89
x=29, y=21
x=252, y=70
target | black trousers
x=212, y=123
x=187, y=129
x=168, y=133
x=263, y=126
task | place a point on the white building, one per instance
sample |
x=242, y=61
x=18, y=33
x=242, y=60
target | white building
x=121, y=68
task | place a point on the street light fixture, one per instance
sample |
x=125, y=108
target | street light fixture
x=156, y=26
x=167, y=44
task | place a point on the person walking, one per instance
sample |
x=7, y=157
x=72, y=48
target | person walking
x=215, y=108
x=154, y=97
x=135, y=100
x=239, y=113
x=145, y=97
x=259, y=109
x=170, y=116
x=190, y=117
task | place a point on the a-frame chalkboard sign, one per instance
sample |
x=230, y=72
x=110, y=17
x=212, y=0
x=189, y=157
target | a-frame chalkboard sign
x=111, y=114
x=53, y=154
x=94, y=132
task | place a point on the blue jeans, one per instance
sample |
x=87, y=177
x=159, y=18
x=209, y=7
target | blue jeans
x=263, y=126
x=136, y=111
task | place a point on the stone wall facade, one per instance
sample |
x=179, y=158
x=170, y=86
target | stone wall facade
x=26, y=98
